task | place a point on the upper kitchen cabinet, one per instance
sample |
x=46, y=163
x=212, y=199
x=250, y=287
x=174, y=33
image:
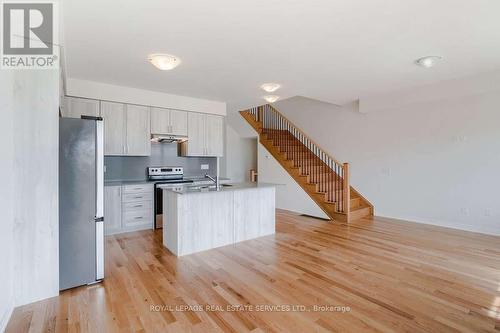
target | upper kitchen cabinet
x=126, y=129
x=195, y=145
x=166, y=121
x=178, y=122
x=214, y=140
x=114, y=128
x=138, y=133
x=205, y=135
x=75, y=107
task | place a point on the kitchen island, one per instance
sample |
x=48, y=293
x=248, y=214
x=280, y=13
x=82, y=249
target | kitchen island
x=202, y=218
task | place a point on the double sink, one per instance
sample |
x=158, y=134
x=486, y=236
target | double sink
x=202, y=188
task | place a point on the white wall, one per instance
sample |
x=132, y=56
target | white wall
x=240, y=156
x=29, y=237
x=433, y=162
x=36, y=151
x=289, y=195
x=109, y=92
x=6, y=197
x=240, y=148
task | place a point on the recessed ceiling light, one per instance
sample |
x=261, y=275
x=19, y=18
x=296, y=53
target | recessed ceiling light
x=271, y=98
x=164, y=62
x=270, y=87
x=428, y=61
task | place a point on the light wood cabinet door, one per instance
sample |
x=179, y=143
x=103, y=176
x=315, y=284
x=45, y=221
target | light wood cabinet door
x=160, y=121
x=114, y=127
x=214, y=133
x=196, y=134
x=75, y=107
x=112, y=209
x=178, y=122
x=138, y=132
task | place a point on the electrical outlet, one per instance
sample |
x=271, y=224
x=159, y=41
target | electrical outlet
x=205, y=167
x=487, y=212
x=464, y=211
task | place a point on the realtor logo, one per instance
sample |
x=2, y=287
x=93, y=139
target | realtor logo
x=29, y=35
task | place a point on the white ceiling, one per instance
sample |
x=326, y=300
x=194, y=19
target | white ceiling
x=331, y=50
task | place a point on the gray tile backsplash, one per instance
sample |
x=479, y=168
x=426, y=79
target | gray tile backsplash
x=164, y=154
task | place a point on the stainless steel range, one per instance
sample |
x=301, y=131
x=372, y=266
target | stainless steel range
x=165, y=176
x=166, y=173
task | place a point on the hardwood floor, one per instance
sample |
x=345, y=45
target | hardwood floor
x=383, y=275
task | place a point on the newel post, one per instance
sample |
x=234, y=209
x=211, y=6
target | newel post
x=347, y=190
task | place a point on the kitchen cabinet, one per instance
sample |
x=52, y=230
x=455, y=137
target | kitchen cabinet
x=128, y=208
x=138, y=133
x=126, y=129
x=167, y=121
x=137, y=207
x=178, y=122
x=75, y=107
x=195, y=146
x=114, y=128
x=205, y=135
x=160, y=121
x=112, y=209
x=214, y=136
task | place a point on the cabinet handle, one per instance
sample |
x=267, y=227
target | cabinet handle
x=138, y=206
x=139, y=197
x=137, y=217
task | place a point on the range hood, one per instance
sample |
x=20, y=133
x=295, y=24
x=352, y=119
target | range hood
x=165, y=138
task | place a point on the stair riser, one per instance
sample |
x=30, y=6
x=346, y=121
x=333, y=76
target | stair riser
x=360, y=213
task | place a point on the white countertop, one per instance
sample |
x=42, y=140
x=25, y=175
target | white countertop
x=119, y=182
x=192, y=189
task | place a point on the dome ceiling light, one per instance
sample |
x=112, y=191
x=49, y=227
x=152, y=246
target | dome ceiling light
x=270, y=87
x=271, y=98
x=164, y=62
x=428, y=61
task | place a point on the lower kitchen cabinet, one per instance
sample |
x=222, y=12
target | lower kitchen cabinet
x=112, y=209
x=128, y=208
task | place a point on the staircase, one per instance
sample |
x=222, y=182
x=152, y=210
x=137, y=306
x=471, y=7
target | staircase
x=323, y=178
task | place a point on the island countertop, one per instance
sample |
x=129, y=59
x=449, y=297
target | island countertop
x=193, y=189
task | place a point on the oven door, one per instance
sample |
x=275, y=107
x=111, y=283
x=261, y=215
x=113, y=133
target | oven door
x=159, y=199
x=158, y=207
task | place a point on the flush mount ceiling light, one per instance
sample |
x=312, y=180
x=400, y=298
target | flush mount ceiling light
x=270, y=87
x=165, y=62
x=428, y=61
x=271, y=98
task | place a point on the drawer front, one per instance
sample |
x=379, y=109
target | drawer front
x=139, y=188
x=138, y=217
x=137, y=205
x=133, y=197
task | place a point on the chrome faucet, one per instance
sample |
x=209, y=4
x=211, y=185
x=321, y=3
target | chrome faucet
x=215, y=180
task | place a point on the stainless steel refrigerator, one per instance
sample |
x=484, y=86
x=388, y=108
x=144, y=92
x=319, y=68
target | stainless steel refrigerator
x=81, y=201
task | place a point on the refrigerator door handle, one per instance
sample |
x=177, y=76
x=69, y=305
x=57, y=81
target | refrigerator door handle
x=99, y=247
x=99, y=214
x=99, y=168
